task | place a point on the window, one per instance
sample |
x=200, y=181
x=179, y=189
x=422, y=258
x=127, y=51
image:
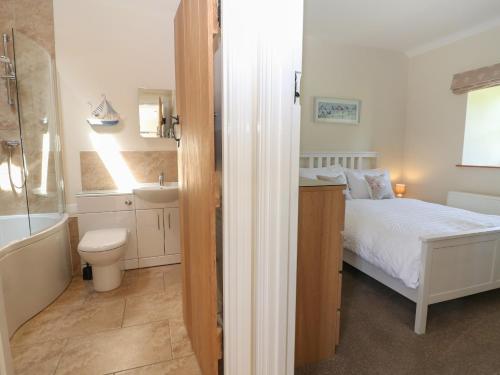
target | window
x=482, y=128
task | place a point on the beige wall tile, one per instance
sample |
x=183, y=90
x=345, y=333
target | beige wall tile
x=33, y=23
x=35, y=18
x=145, y=166
x=74, y=239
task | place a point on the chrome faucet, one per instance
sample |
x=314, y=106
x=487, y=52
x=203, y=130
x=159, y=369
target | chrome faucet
x=161, y=179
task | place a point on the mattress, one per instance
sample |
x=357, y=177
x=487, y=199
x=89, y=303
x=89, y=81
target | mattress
x=387, y=233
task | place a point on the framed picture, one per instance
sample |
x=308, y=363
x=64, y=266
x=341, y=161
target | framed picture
x=344, y=111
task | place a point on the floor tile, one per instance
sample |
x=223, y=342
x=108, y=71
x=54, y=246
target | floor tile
x=181, y=366
x=91, y=317
x=130, y=286
x=116, y=294
x=181, y=345
x=75, y=294
x=39, y=359
x=117, y=350
x=151, y=271
x=144, y=285
x=147, y=308
x=181, y=348
x=178, y=330
x=173, y=277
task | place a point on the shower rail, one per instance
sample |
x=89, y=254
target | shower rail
x=10, y=73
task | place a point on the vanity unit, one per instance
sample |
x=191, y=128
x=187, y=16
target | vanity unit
x=150, y=214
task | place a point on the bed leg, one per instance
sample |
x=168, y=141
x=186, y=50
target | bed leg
x=421, y=318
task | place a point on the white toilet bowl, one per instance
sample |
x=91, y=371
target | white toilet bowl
x=103, y=249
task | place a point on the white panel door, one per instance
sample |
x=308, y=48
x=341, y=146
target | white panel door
x=172, y=231
x=101, y=220
x=150, y=235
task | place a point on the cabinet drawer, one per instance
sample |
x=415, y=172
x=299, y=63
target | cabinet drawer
x=105, y=203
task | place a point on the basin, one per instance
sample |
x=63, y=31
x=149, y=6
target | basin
x=169, y=192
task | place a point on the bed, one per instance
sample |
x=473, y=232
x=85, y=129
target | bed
x=428, y=253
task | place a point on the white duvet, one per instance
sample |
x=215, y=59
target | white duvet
x=386, y=233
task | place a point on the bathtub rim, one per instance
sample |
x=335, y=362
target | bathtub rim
x=22, y=242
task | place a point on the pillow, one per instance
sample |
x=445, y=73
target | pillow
x=312, y=173
x=337, y=180
x=379, y=187
x=357, y=183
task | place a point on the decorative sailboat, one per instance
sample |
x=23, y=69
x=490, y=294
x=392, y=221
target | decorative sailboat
x=104, y=114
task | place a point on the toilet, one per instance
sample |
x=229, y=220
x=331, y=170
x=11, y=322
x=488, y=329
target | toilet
x=103, y=249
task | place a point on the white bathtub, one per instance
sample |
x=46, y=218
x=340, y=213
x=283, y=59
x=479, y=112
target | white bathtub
x=35, y=269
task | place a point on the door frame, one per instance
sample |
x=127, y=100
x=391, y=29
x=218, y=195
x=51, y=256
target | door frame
x=261, y=51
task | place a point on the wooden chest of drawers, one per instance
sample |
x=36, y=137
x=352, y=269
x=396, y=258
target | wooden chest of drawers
x=319, y=272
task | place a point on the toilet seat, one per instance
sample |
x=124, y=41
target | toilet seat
x=102, y=240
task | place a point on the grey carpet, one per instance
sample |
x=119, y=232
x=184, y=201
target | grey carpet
x=463, y=335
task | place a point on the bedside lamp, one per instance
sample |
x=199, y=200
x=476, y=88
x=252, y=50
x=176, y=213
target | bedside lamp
x=400, y=190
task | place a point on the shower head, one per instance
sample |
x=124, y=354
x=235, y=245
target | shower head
x=4, y=60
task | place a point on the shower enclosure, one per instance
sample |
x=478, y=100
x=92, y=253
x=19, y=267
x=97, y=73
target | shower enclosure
x=31, y=188
x=35, y=259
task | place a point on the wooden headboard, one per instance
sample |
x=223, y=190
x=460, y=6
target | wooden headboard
x=354, y=160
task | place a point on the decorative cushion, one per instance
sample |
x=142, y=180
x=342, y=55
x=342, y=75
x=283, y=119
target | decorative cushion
x=311, y=173
x=379, y=187
x=358, y=185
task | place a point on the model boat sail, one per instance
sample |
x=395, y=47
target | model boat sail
x=104, y=114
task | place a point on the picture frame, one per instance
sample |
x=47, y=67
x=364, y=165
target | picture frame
x=336, y=110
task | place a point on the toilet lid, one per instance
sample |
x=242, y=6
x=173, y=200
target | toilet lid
x=103, y=239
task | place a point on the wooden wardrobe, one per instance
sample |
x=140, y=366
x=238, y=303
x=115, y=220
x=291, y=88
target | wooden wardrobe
x=196, y=26
x=319, y=270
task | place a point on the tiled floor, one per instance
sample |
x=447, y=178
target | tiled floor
x=135, y=329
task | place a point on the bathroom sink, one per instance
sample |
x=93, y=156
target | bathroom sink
x=169, y=192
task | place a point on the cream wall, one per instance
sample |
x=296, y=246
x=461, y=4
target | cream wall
x=436, y=120
x=377, y=77
x=110, y=47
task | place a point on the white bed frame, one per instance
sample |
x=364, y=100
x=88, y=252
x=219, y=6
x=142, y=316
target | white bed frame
x=453, y=266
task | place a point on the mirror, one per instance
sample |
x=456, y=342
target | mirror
x=156, y=108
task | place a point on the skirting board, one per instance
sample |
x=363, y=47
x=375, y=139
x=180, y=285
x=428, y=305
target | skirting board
x=159, y=261
x=132, y=264
x=357, y=262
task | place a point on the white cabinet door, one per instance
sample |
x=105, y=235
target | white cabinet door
x=150, y=230
x=101, y=220
x=172, y=231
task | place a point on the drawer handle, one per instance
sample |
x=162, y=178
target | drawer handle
x=169, y=220
x=128, y=202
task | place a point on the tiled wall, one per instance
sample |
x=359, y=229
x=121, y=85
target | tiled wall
x=74, y=239
x=33, y=22
x=145, y=166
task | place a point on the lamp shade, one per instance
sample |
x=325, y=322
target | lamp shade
x=400, y=190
